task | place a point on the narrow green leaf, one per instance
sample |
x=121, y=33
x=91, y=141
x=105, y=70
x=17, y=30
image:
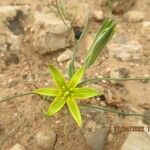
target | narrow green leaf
x=85, y=93
x=71, y=69
x=106, y=24
x=47, y=91
x=56, y=105
x=74, y=110
x=76, y=78
x=101, y=39
x=57, y=77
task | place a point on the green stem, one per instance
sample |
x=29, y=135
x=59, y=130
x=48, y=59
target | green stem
x=97, y=108
x=14, y=96
x=115, y=79
x=71, y=69
x=61, y=14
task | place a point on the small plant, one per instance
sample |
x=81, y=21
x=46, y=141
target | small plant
x=66, y=92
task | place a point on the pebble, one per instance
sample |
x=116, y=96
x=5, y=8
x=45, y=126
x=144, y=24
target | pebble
x=64, y=56
x=127, y=51
x=98, y=15
x=13, y=83
x=113, y=98
x=123, y=72
x=91, y=125
x=11, y=59
x=119, y=73
x=134, y=16
x=46, y=140
x=98, y=138
x=110, y=137
x=102, y=104
x=145, y=30
x=60, y=64
x=146, y=24
x=136, y=141
x=18, y=147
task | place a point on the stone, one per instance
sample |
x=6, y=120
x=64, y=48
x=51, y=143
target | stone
x=8, y=12
x=46, y=140
x=11, y=58
x=11, y=16
x=113, y=98
x=134, y=16
x=13, y=83
x=136, y=141
x=97, y=139
x=11, y=26
x=18, y=147
x=119, y=73
x=123, y=72
x=14, y=42
x=65, y=56
x=126, y=51
x=146, y=24
x=91, y=125
x=49, y=33
x=98, y=15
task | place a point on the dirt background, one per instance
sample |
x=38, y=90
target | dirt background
x=22, y=118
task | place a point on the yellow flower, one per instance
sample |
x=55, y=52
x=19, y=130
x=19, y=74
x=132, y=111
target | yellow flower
x=66, y=92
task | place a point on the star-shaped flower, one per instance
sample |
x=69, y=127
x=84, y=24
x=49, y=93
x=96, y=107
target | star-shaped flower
x=66, y=92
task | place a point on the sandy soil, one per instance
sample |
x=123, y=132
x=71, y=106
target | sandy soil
x=22, y=118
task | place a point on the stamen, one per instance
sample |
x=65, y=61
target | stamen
x=63, y=88
x=67, y=92
x=71, y=89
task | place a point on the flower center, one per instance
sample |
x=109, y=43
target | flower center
x=67, y=92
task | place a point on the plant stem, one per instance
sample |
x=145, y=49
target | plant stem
x=61, y=14
x=71, y=69
x=82, y=35
x=116, y=79
x=97, y=108
x=14, y=96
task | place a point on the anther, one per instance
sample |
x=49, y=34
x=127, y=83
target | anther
x=63, y=87
x=71, y=89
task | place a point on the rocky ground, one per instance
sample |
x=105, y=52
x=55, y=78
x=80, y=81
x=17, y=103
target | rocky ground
x=32, y=35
